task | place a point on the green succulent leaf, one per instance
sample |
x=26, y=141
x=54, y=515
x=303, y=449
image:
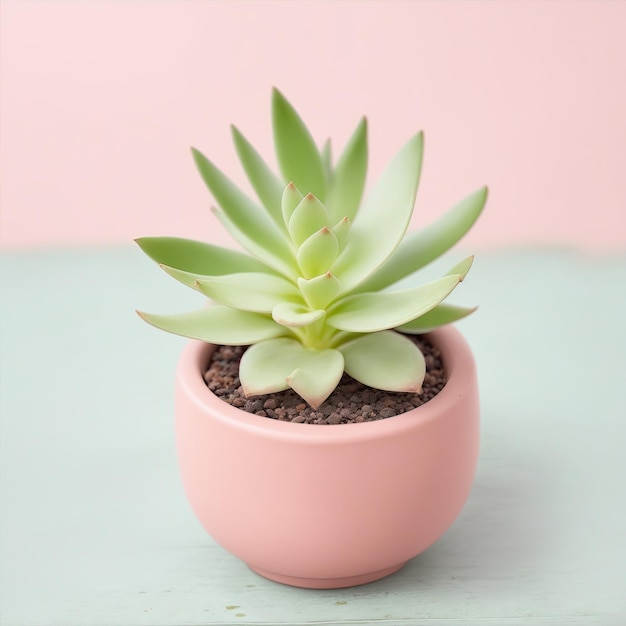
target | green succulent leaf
x=307, y=218
x=286, y=267
x=318, y=377
x=295, y=315
x=384, y=217
x=441, y=315
x=461, y=268
x=421, y=247
x=345, y=193
x=197, y=257
x=249, y=291
x=317, y=253
x=342, y=231
x=268, y=187
x=188, y=279
x=278, y=364
x=245, y=215
x=385, y=360
x=218, y=324
x=320, y=291
x=290, y=199
x=371, y=312
x=264, y=367
x=297, y=154
x=241, y=281
x=327, y=160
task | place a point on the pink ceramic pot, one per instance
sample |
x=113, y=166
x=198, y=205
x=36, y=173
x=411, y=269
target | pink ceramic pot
x=328, y=506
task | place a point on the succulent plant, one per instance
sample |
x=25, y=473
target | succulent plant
x=315, y=295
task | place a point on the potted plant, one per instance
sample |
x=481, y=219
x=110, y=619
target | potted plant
x=317, y=302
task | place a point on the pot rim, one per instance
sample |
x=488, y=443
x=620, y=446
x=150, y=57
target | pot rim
x=457, y=356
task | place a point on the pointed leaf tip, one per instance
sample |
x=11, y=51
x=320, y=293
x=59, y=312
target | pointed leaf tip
x=290, y=199
x=197, y=257
x=266, y=184
x=440, y=315
x=384, y=217
x=308, y=217
x=348, y=176
x=317, y=375
x=296, y=151
x=319, y=291
x=277, y=364
x=462, y=268
x=295, y=315
x=218, y=324
x=317, y=253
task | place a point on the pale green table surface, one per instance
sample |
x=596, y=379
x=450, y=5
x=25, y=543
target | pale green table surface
x=96, y=529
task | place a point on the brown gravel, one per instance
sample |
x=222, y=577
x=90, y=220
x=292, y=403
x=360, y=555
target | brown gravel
x=350, y=402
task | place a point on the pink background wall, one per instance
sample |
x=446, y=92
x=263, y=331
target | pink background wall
x=101, y=100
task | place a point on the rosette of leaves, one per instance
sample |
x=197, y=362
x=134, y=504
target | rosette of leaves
x=314, y=295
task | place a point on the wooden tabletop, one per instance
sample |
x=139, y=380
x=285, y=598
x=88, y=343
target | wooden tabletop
x=96, y=530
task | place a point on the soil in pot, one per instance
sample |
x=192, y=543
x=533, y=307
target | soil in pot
x=350, y=402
